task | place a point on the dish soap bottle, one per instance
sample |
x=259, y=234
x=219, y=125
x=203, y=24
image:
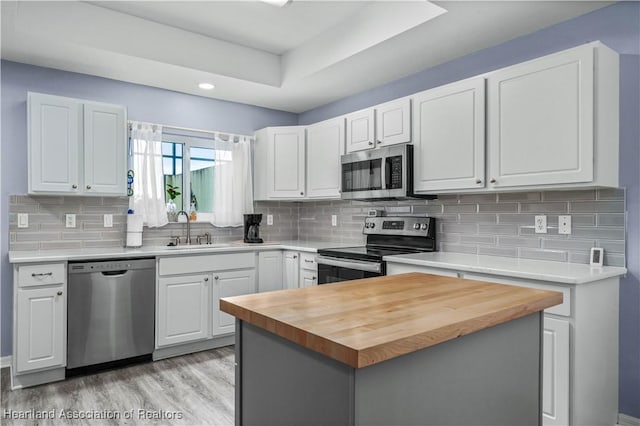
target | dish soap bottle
x=193, y=215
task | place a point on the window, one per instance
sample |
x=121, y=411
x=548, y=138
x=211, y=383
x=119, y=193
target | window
x=198, y=156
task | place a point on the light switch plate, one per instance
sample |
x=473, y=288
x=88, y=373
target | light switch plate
x=108, y=221
x=23, y=220
x=269, y=219
x=334, y=220
x=541, y=224
x=70, y=220
x=564, y=225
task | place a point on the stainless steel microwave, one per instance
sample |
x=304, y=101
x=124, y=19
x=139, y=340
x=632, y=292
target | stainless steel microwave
x=384, y=173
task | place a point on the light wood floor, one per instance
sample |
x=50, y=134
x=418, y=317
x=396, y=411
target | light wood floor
x=200, y=387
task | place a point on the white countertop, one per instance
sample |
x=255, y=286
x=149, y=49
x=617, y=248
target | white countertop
x=561, y=272
x=152, y=251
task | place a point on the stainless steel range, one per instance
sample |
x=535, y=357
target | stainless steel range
x=386, y=236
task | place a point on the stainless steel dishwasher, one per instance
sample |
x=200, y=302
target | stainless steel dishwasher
x=110, y=311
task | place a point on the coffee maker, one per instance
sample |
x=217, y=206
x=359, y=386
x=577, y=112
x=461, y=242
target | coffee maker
x=252, y=228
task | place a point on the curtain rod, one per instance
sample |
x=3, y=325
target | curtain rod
x=191, y=129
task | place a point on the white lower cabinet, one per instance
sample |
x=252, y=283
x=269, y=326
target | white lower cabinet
x=291, y=265
x=270, y=271
x=189, y=292
x=41, y=328
x=308, y=270
x=183, y=309
x=40, y=321
x=227, y=284
x=580, y=346
x=555, y=372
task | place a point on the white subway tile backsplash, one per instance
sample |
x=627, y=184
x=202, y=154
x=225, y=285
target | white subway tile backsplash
x=490, y=224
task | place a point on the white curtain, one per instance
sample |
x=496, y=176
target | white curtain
x=232, y=182
x=148, y=180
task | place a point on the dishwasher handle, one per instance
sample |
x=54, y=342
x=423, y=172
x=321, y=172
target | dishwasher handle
x=115, y=273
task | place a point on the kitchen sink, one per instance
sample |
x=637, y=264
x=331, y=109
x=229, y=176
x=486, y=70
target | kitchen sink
x=197, y=246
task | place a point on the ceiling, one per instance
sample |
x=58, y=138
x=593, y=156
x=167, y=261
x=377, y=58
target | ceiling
x=294, y=58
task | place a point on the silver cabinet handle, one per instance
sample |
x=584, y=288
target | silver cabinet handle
x=295, y=257
x=59, y=293
x=302, y=193
x=478, y=181
x=206, y=279
x=379, y=142
x=46, y=274
x=74, y=186
x=493, y=181
x=216, y=277
x=88, y=186
x=308, y=261
x=370, y=143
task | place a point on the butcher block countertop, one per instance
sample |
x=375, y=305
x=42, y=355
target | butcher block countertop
x=365, y=322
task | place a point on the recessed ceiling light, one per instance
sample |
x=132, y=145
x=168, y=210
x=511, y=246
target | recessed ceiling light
x=206, y=86
x=278, y=3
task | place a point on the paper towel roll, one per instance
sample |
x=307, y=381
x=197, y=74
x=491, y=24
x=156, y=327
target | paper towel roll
x=134, y=239
x=134, y=223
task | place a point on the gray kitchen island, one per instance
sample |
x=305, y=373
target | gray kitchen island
x=410, y=349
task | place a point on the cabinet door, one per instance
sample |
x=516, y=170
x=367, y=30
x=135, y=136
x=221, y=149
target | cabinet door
x=270, y=271
x=540, y=121
x=555, y=372
x=360, y=130
x=449, y=137
x=41, y=328
x=291, y=265
x=183, y=309
x=286, y=162
x=325, y=145
x=393, y=122
x=105, y=150
x=227, y=284
x=55, y=134
x=308, y=278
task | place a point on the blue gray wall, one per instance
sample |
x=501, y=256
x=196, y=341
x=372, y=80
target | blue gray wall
x=618, y=27
x=143, y=104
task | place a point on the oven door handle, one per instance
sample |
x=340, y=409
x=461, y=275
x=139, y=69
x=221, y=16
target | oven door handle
x=350, y=264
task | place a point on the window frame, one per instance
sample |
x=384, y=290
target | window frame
x=187, y=143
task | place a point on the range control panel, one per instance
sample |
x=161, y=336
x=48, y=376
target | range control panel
x=403, y=225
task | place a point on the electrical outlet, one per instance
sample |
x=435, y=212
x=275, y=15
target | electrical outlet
x=23, y=220
x=334, y=220
x=541, y=224
x=70, y=220
x=269, y=219
x=108, y=221
x=564, y=225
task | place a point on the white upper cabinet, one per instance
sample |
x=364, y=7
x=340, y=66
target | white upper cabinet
x=393, y=122
x=448, y=129
x=76, y=146
x=104, y=149
x=361, y=130
x=554, y=120
x=325, y=145
x=382, y=125
x=54, y=144
x=279, y=163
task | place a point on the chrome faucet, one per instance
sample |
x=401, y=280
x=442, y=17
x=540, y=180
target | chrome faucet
x=188, y=241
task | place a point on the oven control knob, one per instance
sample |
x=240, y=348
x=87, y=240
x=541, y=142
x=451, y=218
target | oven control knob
x=372, y=225
x=416, y=226
x=424, y=226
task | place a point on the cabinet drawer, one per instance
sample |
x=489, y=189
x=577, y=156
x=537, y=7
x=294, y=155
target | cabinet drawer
x=45, y=274
x=308, y=261
x=205, y=263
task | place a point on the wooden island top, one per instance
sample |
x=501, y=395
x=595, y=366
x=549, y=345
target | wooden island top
x=365, y=322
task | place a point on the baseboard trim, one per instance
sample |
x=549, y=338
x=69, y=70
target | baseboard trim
x=5, y=361
x=624, y=420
